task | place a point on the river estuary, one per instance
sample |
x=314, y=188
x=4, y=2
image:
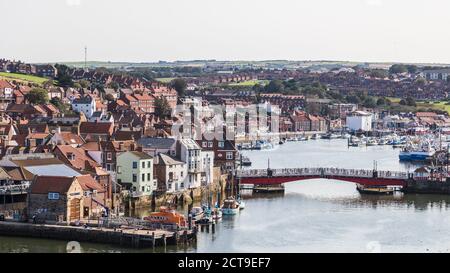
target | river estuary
x=312, y=216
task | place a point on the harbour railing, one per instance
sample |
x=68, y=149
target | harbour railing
x=322, y=172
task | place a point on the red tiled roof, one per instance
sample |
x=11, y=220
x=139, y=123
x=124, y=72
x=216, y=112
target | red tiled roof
x=143, y=97
x=89, y=183
x=96, y=128
x=80, y=160
x=70, y=138
x=425, y=114
x=4, y=84
x=46, y=184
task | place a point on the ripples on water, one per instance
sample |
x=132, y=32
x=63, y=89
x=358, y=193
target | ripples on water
x=316, y=215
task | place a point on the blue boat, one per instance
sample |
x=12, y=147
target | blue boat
x=414, y=154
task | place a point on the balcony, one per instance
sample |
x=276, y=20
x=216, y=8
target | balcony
x=14, y=189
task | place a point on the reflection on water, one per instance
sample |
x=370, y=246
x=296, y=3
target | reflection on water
x=312, y=216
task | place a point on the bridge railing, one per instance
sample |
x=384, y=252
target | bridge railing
x=321, y=172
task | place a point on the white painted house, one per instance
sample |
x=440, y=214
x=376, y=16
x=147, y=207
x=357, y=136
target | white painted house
x=199, y=163
x=359, y=121
x=84, y=105
x=135, y=172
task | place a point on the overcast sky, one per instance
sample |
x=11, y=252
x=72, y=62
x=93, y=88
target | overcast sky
x=152, y=30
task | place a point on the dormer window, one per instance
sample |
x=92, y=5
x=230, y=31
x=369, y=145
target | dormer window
x=70, y=156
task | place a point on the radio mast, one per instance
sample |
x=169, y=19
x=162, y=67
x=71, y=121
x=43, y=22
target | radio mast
x=85, y=58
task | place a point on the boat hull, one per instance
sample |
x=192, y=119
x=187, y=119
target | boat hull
x=228, y=211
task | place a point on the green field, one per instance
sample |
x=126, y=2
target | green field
x=438, y=105
x=23, y=77
x=249, y=83
x=165, y=80
x=421, y=105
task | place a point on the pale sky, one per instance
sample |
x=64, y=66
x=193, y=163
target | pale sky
x=152, y=30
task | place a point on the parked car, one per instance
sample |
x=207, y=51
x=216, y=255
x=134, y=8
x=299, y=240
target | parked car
x=2, y=217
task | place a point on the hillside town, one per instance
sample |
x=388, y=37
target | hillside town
x=109, y=134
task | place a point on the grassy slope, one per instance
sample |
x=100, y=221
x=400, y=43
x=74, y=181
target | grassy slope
x=164, y=80
x=438, y=105
x=250, y=83
x=22, y=77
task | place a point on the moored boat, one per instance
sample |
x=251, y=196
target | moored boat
x=197, y=213
x=374, y=190
x=245, y=161
x=241, y=203
x=216, y=214
x=167, y=216
x=230, y=207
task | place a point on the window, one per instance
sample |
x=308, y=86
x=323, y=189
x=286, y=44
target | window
x=109, y=156
x=210, y=144
x=149, y=164
x=148, y=177
x=53, y=196
x=135, y=165
x=221, y=144
x=143, y=188
x=204, y=144
x=229, y=155
x=143, y=164
x=143, y=177
x=134, y=178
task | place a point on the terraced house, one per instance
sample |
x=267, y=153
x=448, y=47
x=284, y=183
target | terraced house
x=135, y=173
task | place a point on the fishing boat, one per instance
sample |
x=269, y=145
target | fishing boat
x=374, y=190
x=303, y=138
x=245, y=161
x=346, y=136
x=371, y=142
x=241, y=203
x=262, y=145
x=204, y=220
x=330, y=136
x=216, y=214
x=230, y=207
x=167, y=216
x=412, y=153
x=197, y=213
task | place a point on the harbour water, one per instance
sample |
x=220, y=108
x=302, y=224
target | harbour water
x=312, y=216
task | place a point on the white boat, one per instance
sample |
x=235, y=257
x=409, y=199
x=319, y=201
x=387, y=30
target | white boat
x=216, y=214
x=263, y=145
x=241, y=204
x=197, y=213
x=414, y=153
x=371, y=142
x=230, y=207
x=346, y=136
